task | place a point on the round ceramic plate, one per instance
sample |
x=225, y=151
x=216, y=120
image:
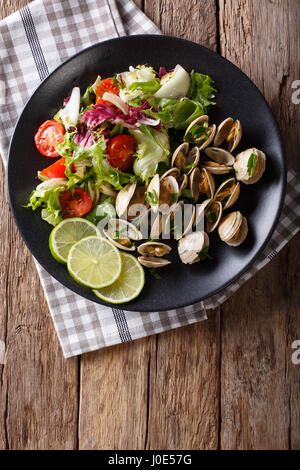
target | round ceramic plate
x=237, y=96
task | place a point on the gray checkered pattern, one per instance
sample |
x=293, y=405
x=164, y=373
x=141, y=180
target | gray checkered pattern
x=33, y=42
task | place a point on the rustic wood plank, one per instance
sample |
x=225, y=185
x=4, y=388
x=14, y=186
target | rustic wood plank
x=38, y=394
x=188, y=19
x=260, y=386
x=184, y=388
x=144, y=394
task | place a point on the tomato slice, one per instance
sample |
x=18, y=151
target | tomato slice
x=75, y=205
x=57, y=169
x=48, y=135
x=107, y=84
x=120, y=151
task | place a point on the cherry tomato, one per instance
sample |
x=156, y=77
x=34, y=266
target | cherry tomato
x=57, y=169
x=108, y=84
x=120, y=151
x=48, y=135
x=75, y=205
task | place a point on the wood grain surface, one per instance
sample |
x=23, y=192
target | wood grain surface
x=226, y=383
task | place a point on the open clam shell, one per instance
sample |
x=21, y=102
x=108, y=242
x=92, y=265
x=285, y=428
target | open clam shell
x=157, y=226
x=172, y=172
x=228, y=193
x=213, y=215
x=125, y=229
x=156, y=249
x=190, y=246
x=233, y=228
x=180, y=220
x=230, y=131
x=122, y=243
x=153, y=262
x=199, y=221
x=207, y=183
x=192, y=160
x=183, y=182
x=221, y=156
x=153, y=192
x=123, y=198
x=178, y=159
x=250, y=165
x=168, y=193
x=195, y=178
x=206, y=137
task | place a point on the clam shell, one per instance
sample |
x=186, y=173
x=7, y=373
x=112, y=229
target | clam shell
x=116, y=243
x=154, y=190
x=182, y=182
x=200, y=121
x=215, y=206
x=153, y=262
x=207, y=180
x=123, y=198
x=106, y=189
x=241, y=166
x=192, y=160
x=195, y=178
x=168, y=193
x=232, y=197
x=125, y=228
x=223, y=130
x=178, y=159
x=190, y=246
x=157, y=226
x=172, y=172
x=200, y=212
x=234, y=136
x=220, y=156
x=233, y=228
x=155, y=249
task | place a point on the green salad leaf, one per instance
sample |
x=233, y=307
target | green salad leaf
x=201, y=90
x=102, y=210
x=46, y=196
x=175, y=113
x=152, y=149
x=151, y=86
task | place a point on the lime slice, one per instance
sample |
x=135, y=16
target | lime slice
x=128, y=285
x=94, y=262
x=67, y=233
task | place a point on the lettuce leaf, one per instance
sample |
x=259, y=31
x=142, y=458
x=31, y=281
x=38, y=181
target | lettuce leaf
x=152, y=149
x=175, y=113
x=102, y=210
x=201, y=90
x=46, y=197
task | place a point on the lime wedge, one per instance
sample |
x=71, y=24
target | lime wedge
x=67, y=233
x=128, y=285
x=94, y=262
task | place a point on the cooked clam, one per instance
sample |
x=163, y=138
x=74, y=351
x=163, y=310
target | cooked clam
x=208, y=215
x=172, y=172
x=213, y=216
x=233, y=228
x=154, y=249
x=121, y=233
x=185, y=160
x=200, y=132
x=231, y=132
x=157, y=226
x=228, y=193
x=250, y=165
x=152, y=192
x=195, y=178
x=180, y=156
x=220, y=156
x=183, y=182
x=190, y=246
x=168, y=193
x=153, y=262
x=123, y=198
x=207, y=183
x=180, y=220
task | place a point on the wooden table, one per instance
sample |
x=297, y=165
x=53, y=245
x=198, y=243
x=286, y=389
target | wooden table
x=226, y=383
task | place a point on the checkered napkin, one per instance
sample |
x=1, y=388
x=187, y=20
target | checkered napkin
x=33, y=42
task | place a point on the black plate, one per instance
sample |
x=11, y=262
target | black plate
x=237, y=97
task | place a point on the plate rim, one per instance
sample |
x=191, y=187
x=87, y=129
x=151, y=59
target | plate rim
x=127, y=306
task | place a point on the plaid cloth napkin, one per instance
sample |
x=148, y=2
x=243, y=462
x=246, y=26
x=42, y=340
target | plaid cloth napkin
x=33, y=42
